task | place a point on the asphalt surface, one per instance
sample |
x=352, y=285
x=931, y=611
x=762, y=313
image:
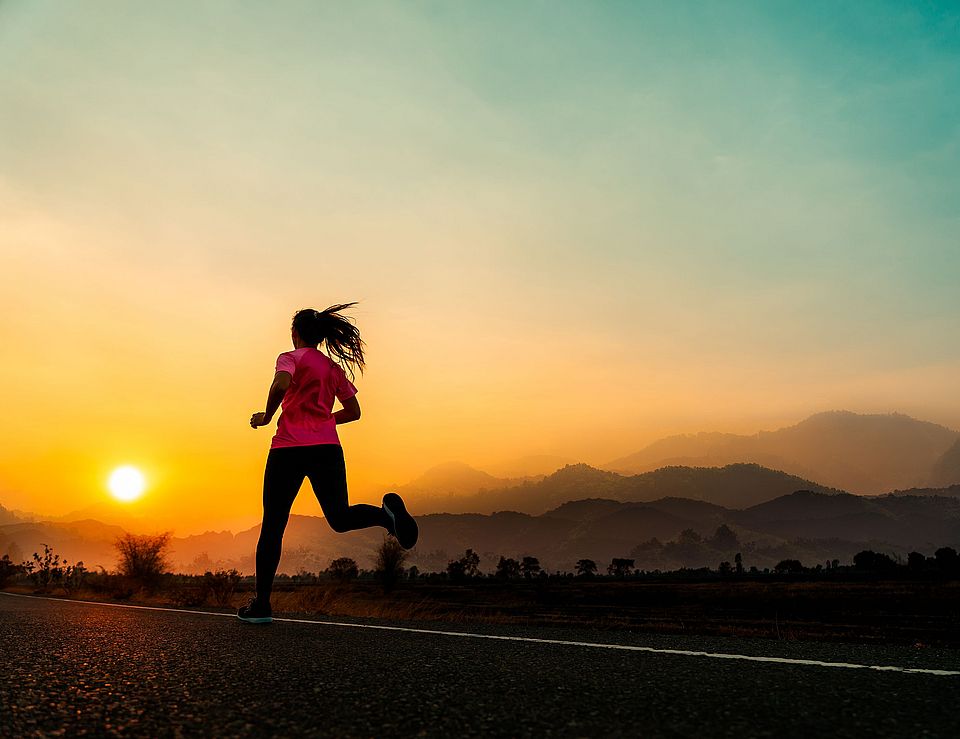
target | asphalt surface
x=73, y=669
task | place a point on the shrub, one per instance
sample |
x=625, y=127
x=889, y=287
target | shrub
x=45, y=570
x=142, y=558
x=188, y=595
x=389, y=562
x=111, y=585
x=73, y=578
x=343, y=569
x=8, y=570
x=220, y=585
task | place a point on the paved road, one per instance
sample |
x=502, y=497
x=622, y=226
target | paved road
x=72, y=668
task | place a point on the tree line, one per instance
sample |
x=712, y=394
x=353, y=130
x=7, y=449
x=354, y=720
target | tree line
x=142, y=563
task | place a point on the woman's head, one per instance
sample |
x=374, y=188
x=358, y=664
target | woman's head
x=344, y=344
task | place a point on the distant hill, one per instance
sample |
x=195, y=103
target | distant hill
x=905, y=521
x=734, y=486
x=946, y=470
x=532, y=465
x=865, y=454
x=89, y=541
x=8, y=516
x=108, y=513
x=949, y=492
x=439, y=487
x=454, y=477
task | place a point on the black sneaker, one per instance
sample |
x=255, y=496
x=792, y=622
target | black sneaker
x=404, y=527
x=254, y=613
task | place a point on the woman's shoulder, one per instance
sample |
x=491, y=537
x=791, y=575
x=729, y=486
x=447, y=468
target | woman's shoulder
x=290, y=354
x=290, y=359
x=316, y=358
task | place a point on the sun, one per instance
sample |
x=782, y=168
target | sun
x=126, y=483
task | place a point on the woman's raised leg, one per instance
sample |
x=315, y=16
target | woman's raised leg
x=328, y=477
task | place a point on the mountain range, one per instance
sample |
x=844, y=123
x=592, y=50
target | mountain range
x=583, y=511
x=864, y=454
x=663, y=532
x=735, y=485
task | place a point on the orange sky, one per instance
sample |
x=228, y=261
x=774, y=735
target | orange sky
x=553, y=254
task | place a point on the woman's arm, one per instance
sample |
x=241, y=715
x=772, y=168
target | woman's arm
x=349, y=412
x=281, y=381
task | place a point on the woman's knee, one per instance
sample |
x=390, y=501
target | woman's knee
x=273, y=526
x=339, y=520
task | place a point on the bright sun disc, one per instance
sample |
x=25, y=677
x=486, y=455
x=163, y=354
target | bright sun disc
x=126, y=483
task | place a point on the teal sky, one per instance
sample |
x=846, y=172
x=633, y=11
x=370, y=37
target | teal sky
x=723, y=215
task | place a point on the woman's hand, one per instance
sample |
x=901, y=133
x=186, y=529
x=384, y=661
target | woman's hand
x=259, y=419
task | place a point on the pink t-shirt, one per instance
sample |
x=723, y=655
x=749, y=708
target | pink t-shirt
x=307, y=415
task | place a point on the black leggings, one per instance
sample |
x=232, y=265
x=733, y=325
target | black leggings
x=282, y=478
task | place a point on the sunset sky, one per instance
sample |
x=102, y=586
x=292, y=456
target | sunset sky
x=573, y=228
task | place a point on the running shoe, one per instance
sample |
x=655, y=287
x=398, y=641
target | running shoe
x=404, y=528
x=254, y=613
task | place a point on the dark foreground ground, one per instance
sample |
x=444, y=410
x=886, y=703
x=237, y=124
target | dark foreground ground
x=95, y=669
x=868, y=610
x=911, y=612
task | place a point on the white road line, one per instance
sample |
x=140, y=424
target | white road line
x=527, y=639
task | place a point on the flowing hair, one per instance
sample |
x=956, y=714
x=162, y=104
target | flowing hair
x=342, y=337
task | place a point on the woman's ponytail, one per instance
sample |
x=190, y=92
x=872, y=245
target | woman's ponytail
x=342, y=337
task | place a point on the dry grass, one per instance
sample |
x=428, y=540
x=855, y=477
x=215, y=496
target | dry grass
x=915, y=613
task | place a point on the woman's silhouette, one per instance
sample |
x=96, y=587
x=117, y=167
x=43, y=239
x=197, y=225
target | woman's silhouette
x=306, y=443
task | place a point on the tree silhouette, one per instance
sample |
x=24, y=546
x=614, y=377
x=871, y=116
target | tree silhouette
x=725, y=539
x=620, y=567
x=873, y=561
x=689, y=536
x=947, y=559
x=916, y=561
x=725, y=568
x=508, y=568
x=738, y=562
x=388, y=566
x=530, y=567
x=586, y=567
x=143, y=558
x=466, y=567
x=343, y=569
x=788, y=566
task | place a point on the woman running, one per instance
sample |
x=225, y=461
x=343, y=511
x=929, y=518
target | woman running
x=306, y=443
